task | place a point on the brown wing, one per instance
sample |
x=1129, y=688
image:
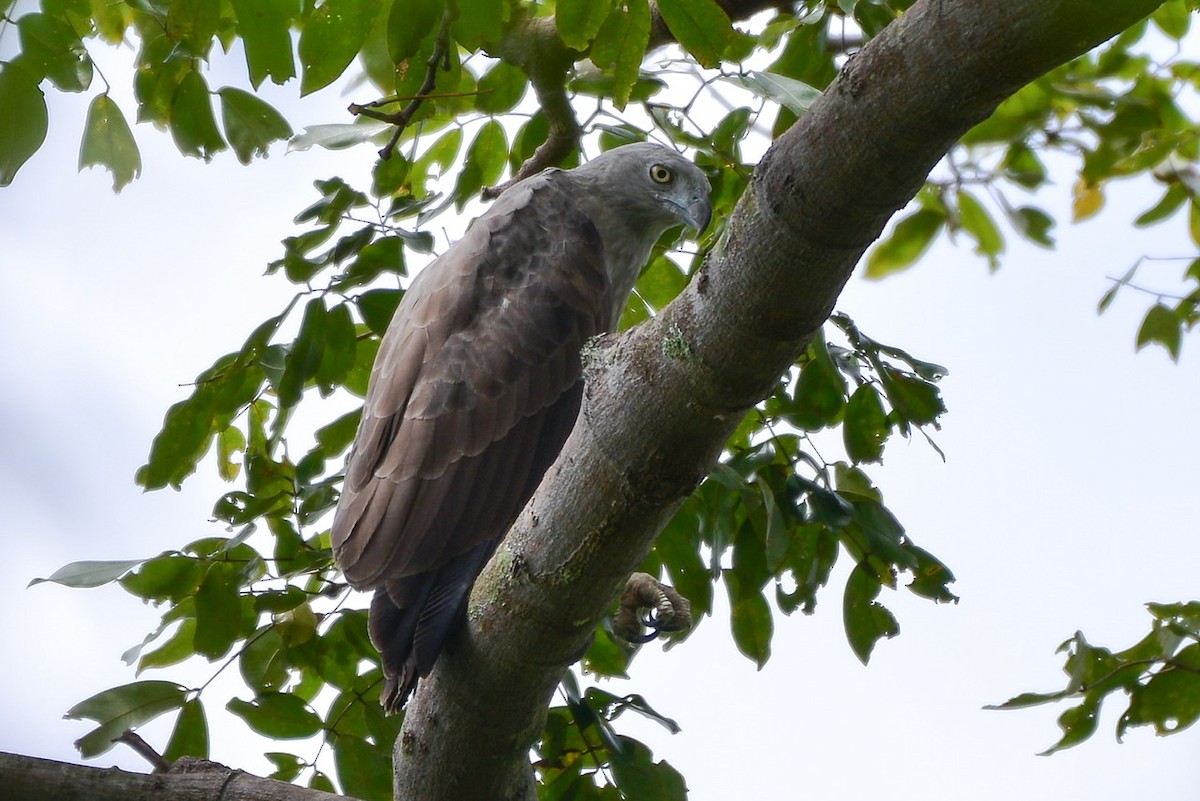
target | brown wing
x=475, y=389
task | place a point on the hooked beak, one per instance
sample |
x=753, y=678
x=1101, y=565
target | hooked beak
x=698, y=214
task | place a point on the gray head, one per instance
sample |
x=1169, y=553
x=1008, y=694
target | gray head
x=633, y=194
x=649, y=186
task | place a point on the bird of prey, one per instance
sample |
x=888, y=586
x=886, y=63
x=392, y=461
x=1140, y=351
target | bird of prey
x=478, y=382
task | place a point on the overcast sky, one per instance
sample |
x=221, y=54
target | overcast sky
x=1067, y=499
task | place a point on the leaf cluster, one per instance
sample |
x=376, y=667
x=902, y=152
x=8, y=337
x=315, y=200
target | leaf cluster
x=1159, y=676
x=1117, y=113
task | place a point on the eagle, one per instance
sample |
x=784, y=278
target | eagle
x=478, y=382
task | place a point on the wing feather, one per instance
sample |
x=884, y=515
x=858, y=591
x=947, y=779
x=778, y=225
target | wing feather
x=483, y=347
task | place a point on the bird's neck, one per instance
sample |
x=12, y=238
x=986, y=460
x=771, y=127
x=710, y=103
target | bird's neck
x=627, y=238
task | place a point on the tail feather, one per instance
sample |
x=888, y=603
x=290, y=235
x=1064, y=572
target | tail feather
x=411, y=619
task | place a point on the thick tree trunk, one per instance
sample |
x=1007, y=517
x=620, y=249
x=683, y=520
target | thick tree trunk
x=663, y=398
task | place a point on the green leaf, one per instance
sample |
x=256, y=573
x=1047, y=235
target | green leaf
x=701, y=27
x=281, y=716
x=193, y=126
x=364, y=770
x=331, y=38
x=1194, y=221
x=337, y=357
x=1033, y=224
x=866, y=620
x=89, y=573
x=1077, y=723
x=1029, y=699
x=304, y=358
x=1163, y=326
x=638, y=777
x=287, y=766
x=49, y=44
x=1022, y=165
x=978, y=223
x=365, y=351
x=218, y=612
x=1173, y=18
x=193, y=24
x=1170, y=700
x=189, y=426
x=263, y=661
x=409, y=22
x=911, y=237
x=24, y=122
x=335, y=437
x=1168, y=204
x=179, y=647
x=108, y=142
x=820, y=391
x=265, y=27
x=750, y=621
x=501, y=88
x=251, y=124
x=230, y=442
x=485, y=162
x=931, y=577
x=121, y=708
x=775, y=545
x=377, y=306
x=479, y=22
x=336, y=136
x=914, y=399
x=790, y=93
x=578, y=21
x=170, y=577
x=189, y=738
x=620, y=46
x=865, y=426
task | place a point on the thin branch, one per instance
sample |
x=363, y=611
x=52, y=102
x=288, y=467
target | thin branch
x=134, y=740
x=535, y=47
x=438, y=59
x=562, y=139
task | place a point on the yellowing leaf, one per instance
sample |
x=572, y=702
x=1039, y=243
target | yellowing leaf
x=1088, y=200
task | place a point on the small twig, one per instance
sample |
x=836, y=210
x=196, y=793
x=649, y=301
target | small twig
x=438, y=59
x=135, y=741
x=363, y=108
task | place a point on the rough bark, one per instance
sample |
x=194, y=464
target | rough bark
x=664, y=397
x=25, y=778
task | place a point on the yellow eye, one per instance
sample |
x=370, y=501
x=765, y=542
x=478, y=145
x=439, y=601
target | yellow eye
x=660, y=174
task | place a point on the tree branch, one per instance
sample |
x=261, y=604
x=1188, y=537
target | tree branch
x=653, y=424
x=532, y=43
x=33, y=779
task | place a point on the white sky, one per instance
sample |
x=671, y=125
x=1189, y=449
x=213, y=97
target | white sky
x=1068, y=498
